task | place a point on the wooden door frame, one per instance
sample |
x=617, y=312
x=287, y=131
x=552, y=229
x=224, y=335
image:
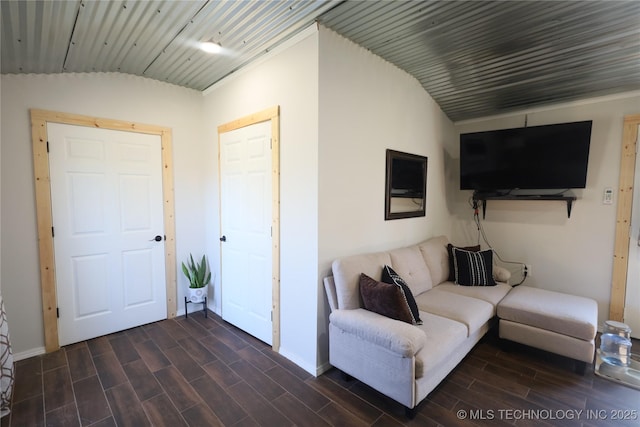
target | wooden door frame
x=39, y=139
x=623, y=219
x=270, y=114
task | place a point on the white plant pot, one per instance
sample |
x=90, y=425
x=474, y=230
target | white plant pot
x=197, y=294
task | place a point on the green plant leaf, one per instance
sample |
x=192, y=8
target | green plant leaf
x=196, y=273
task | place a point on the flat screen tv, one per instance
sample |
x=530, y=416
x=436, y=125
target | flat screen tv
x=536, y=157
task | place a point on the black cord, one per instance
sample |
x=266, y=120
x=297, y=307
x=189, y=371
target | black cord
x=476, y=218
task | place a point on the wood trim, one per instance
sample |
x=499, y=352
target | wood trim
x=252, y=119
x=272, y=114
x=45, y=226
x=169, y=223
x=39, y=137
x=623, y=218
x=275, y=223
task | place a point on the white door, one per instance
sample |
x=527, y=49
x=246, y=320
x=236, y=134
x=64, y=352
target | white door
x=632, y=297
x=106, y=191
x=245, y=216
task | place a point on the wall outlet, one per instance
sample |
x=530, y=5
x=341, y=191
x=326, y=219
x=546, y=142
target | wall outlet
x=527, y=268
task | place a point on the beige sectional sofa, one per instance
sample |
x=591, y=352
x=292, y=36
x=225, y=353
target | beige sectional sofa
x=401, y=360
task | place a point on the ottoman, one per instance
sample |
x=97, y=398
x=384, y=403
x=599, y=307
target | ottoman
x=552, y=321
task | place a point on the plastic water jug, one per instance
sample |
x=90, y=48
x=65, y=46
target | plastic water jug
x=615, y=349
x=618, y=328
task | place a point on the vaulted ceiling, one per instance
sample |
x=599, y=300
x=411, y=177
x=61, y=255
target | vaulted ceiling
x=475, y=58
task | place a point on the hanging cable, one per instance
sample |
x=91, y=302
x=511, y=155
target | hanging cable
x=476, y=218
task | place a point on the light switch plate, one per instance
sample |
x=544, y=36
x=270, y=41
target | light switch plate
x=607, y=199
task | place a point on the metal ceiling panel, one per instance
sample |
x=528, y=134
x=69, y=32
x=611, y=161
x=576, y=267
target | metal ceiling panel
x=35, y=35
x=125, y=35
x=245, y=29
x=482, y=58
x=475, y=58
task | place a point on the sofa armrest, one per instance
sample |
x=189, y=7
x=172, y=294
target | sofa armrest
x=396, y=336
x=501, y=274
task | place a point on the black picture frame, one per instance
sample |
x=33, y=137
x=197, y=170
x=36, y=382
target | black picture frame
x=405, y=186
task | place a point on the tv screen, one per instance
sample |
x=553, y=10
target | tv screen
x=536, y=157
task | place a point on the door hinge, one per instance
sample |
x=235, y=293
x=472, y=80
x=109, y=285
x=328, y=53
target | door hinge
x=47, y=146
x=58, y=312
x=272, y=315
x=271, y=231
x=53, y=233
x=270, y=143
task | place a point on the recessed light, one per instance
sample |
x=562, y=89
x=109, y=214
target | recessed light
x=210, y=46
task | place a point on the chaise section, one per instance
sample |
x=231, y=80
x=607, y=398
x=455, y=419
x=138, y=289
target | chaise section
x=551, y=321
x=565, y=314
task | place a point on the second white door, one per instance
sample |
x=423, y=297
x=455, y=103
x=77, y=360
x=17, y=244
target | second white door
x=246, y=214
x=107, y=209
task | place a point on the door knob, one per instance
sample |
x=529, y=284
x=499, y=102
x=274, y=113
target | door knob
x=156, y=239
x=223, y=239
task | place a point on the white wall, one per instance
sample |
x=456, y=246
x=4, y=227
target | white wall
x=113, y=96
x=288, y=78
x=341, y=107
x=572, y=255
x=366, y=106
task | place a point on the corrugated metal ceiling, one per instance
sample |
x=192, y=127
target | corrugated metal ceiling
x=475, y=58
x=156, y=39
x=478, y=58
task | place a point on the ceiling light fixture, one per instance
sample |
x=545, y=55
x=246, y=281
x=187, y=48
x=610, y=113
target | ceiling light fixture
x=211, y=46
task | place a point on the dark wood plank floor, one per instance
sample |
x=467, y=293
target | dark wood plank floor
x=205, y=372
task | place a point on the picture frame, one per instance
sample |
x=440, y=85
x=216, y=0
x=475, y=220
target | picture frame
x=405, y=186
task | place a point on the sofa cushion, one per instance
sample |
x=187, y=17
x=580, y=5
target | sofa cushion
x=450, y=247
x=390, y=276
x=346, y=274
x=434, y=253
x=387, y=299
x=442, y=335
x=553, y=311
x=491, y=294
x=472, y=312
x=473, y=268
x=409, y=264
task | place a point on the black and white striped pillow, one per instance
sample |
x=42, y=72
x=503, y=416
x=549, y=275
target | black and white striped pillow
x=473, y=268
x=391, y=277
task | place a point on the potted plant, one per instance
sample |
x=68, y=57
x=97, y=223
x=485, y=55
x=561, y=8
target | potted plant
x=198, y=276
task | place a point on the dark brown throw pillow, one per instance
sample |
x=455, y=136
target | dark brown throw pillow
x=476, y=248
x=385, y=299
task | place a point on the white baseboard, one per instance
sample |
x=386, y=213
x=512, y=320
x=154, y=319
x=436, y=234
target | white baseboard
x=301, y=363
x=29, y=353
